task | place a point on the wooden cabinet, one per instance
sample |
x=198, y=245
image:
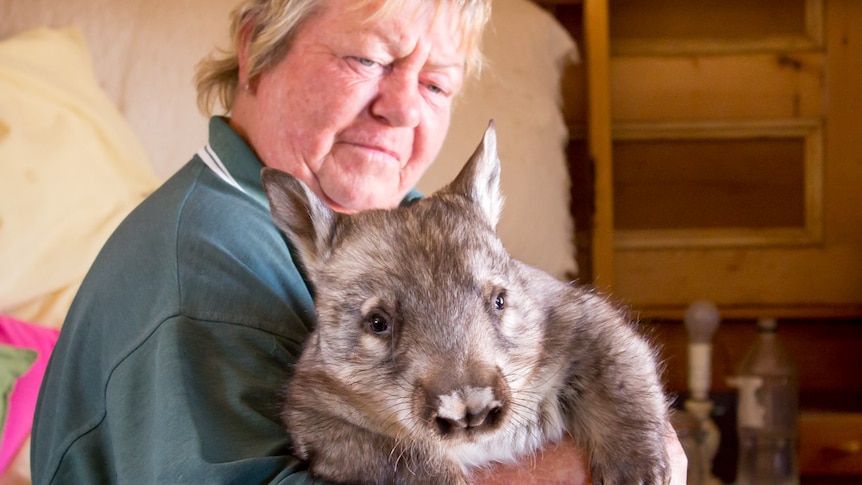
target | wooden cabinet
x=716, y=153
x=724, y=153
x=830, y=444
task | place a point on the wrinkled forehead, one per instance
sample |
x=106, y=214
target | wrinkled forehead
x=470, y=17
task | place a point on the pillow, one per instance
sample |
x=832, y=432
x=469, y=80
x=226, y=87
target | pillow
x=527, y=52
x=71, y=170
x=24, y=353
x=14, y=362
x=145, y=53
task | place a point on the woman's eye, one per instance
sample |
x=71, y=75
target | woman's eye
x=435, y=89
x=378, y=324
x=366, y=62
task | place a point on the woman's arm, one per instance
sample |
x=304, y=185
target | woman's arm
x=566, y=463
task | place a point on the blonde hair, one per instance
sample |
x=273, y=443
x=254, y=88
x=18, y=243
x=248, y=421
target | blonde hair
x=274, y=23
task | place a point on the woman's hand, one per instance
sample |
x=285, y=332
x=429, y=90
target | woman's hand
x=676, y=455
x=566, y=463
x=561, y=463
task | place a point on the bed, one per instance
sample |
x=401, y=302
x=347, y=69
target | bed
x=97, y=108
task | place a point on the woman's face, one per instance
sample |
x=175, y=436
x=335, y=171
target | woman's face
x=357, y=109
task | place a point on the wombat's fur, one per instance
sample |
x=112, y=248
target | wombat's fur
x=436, y=352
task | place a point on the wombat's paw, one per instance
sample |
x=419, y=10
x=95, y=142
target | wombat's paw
x=631, y=477
x=640, y=469
x=445, y=477
x=430, y=469
x=453, y=475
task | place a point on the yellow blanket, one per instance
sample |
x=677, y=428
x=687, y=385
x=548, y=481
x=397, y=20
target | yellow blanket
x=70, y=170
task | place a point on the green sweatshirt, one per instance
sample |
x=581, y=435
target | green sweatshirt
x=171, y=361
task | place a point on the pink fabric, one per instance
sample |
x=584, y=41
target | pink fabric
x=22, y=404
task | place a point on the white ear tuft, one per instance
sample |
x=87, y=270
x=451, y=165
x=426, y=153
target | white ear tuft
x=479, y=180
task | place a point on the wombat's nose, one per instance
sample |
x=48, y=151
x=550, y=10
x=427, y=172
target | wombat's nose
x=469, y=409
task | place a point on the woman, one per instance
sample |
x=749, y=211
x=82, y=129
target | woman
x=170, y=362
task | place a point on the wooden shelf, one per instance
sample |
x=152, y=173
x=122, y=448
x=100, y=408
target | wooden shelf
x=744, y=312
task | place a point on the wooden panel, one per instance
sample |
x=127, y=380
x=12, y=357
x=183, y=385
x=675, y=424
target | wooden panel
x=830, y=443
x=738, y=87
x=806, y=277
x=803, y=281
x=843, y=197
x=821, y=279
x=816, y=279
x=685, y=19
x=759, y=145
x=714, y=26
x=596, y=40
x=703, y=183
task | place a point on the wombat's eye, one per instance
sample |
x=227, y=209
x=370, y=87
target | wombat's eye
x=378, y=324
x=500, y=300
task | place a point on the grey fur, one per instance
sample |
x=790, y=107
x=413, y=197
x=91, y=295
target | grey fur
x=484, y=359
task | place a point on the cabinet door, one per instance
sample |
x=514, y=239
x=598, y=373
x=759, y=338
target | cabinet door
x=736, y=156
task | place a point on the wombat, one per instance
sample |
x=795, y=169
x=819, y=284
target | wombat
x=435, y=352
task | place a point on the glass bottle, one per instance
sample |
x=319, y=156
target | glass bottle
x=767, y=412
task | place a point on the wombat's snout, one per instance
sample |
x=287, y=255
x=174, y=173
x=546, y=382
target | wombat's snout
x=473, y=407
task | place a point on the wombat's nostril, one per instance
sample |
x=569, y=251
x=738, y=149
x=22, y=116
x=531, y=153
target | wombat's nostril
x=494, y=415
x=469, y=417
x=448, y=426
x=489, y=415
x=472, y=409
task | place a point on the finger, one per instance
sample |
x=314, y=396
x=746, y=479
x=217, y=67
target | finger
x=676, y=455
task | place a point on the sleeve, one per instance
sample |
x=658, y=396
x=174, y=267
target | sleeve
x=202, y=400
x=221, y=413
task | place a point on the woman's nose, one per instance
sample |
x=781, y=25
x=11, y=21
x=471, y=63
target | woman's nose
x=398, y=100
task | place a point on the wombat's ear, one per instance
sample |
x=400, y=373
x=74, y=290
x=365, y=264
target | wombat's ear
x=479, y=180
x=299, y=213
